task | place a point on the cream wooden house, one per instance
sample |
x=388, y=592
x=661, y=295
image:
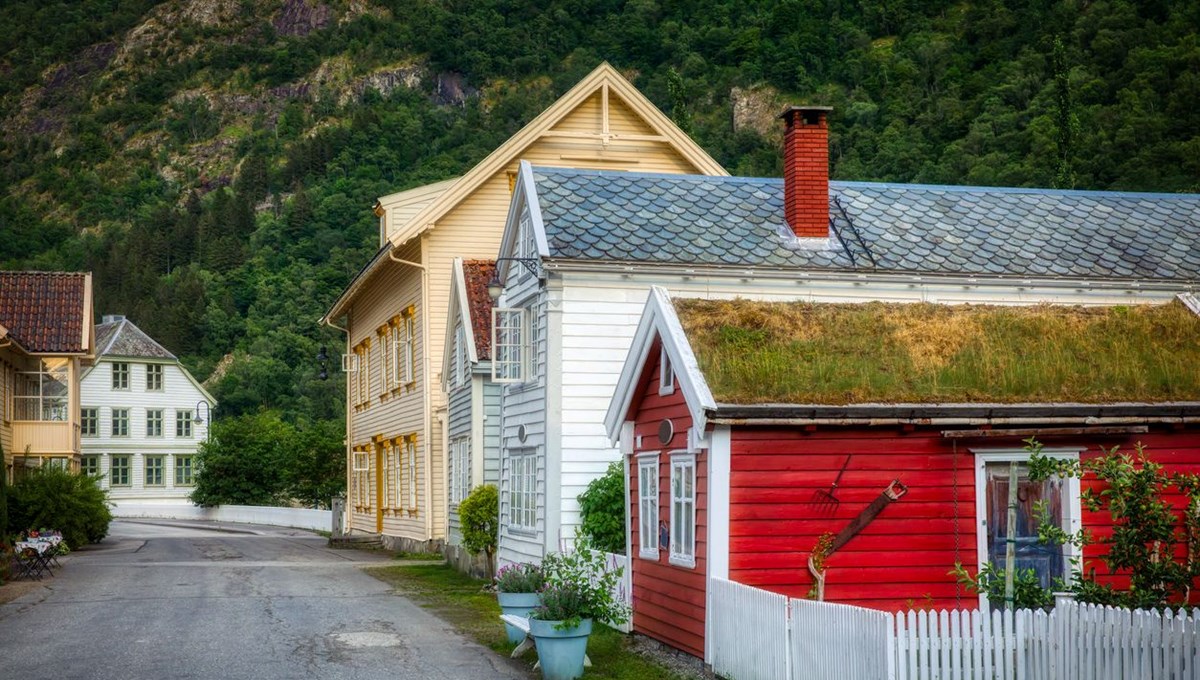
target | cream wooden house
x=46, y=339
x=143, y=417
x=394, y=313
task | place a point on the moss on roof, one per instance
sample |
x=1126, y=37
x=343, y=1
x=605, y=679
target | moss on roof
x=835, y=354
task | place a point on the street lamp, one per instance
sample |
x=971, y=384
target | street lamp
x=496, y=287
x=203, y=408
x=323, y=362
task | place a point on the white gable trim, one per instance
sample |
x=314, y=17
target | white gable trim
x=524, y=194
x=458, y=310
x=659, y=320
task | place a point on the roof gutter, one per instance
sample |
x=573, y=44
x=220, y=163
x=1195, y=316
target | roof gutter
x=955, y=422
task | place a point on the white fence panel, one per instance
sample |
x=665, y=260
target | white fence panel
x=748, y=631
x=839, y=642
x=623, y=591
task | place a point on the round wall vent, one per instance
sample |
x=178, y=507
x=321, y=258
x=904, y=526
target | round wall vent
x=666, y=431
x=522, y=435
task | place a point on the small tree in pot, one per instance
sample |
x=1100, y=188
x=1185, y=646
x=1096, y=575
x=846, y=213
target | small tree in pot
x=579, y=589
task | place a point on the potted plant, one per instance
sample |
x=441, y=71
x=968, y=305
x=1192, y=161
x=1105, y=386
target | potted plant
x=579, y=589
x=517, y=589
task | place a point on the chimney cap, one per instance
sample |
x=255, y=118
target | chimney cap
x=112, y=318
x=801, y=109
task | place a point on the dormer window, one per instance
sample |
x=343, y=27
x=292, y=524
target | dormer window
x=666, y=373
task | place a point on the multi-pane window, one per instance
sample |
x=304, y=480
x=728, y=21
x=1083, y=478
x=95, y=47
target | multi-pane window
x=410, y=452
x=89, y=465
x=666, y=373
x=362, y=470
x=154, y=423
x=120, y=422
x=57, y=463
x=118, y=471
x=89, y=421
x=183, y=423
x=185, y=470
x=648, y=507
x=683, y=510
x=43, y=394
x=404, y=345
x=508, y=345
x=522, y=490
x=1059, y=497
x=462, y=361
x=154, y=377
x=460, y=469
x=387, y=370
x=120, y=376
x=154, y=470
x=386, y=476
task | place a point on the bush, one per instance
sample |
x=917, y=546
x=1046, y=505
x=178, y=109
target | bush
x=579, y=585
x=602, y=511
x=479, y=514
x=54, y=499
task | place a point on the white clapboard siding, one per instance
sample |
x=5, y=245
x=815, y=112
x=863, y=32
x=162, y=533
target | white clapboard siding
x=747, y=631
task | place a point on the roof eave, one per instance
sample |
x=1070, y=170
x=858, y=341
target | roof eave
x=958, y=414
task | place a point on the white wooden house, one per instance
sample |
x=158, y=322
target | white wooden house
x=142, y=419
x=473, y=431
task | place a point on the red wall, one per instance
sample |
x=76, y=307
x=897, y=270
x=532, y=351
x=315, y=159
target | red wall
x=668, y=600
x=903, y=557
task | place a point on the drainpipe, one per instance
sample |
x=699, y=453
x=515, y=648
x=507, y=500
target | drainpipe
x=427, y=419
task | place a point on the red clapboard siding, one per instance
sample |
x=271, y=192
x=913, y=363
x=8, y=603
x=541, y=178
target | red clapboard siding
x=668, y=600
x=904, y=557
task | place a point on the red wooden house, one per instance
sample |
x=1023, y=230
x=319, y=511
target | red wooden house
x=738, y=462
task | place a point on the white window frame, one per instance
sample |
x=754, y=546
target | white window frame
x=509, y=361
x=461, y=367
x=157, y=371
x=1072, y=506
x=386, y=475
x=43, y=394
x=124, y=421
x=361, y=467
x=648, y=512
x=410, y=449
x=682, y=555
x=120, y=368
x=522, y=484
x=159, y=433
x=666, y=373
x=409, y=352
x=365, y=376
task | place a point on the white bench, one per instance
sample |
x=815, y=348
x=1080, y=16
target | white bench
x=521, y=623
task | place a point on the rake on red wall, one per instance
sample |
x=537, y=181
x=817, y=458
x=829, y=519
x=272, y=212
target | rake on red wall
x=826, y=502
x=827, y=546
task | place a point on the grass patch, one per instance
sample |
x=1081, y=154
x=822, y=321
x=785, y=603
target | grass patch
x=796, y=352
x=462, y=601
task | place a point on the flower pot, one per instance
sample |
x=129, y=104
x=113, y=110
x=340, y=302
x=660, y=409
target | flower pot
x=560, y=652
x=520, y=604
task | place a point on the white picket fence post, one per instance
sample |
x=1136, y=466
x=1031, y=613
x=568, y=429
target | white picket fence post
x=749, y=627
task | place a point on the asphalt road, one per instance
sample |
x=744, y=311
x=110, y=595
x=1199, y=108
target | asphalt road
x=187, y=601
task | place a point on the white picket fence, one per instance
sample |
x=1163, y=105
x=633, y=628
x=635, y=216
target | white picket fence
x=623, y=591
x=823, y=641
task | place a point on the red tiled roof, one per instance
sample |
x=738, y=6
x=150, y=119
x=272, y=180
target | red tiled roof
x=45, y=311
x=477, y=273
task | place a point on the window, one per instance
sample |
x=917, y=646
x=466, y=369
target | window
x=386, y=476
x=89, y=421
x=406, y=351
x=410, y=452
x=666, y=373
x=522, y=490
x=387, y=369
x=185, y=470
x=154, y=420
x=1061, y=499
x=462, y=364
x=648, y=507
x=120, y=422
x=183, y=423
x=364, y=394
x=120, y=376
x=460, y=469
x=42, y=394
x=154, y=471
x=118, y=472
x=362, y=470
x=683, y=510
x=508, y=345
x=89, y=465
x=154, y=377
x=57, y=463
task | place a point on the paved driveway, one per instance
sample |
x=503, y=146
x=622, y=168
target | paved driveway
x=157, y=601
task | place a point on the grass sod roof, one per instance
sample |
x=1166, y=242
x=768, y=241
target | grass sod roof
x=839, y=354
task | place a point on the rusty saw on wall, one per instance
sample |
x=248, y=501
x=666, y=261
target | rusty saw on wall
x=826, y=547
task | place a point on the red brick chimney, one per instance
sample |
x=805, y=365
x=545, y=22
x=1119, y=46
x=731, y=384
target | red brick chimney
x=806, y=170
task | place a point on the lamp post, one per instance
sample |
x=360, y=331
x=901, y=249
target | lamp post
x=202, y=408
x=323, y=363
x=496, y=286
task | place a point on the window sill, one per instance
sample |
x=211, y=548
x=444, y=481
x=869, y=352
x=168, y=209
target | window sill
x=648, y=555
x=525, y=532
x=682, y=562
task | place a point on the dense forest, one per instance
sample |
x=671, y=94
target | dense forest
x=215, y=162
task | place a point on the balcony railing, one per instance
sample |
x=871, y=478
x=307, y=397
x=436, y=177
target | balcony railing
x=43, y=437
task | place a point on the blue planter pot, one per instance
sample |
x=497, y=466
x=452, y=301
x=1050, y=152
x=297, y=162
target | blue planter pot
x=561, y=652
x=520, y=604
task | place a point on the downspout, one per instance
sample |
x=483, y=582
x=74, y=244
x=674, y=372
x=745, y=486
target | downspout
x=347, y=519
x=427, y=418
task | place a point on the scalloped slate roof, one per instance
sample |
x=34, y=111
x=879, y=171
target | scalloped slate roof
x=121, y=338
x=903, y=228
x=45, y=311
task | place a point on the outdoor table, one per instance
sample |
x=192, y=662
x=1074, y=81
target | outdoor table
x=33, y=558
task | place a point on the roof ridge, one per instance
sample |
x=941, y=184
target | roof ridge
x=596, y=172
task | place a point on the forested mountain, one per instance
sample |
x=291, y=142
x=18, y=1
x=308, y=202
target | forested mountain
x=215, y=162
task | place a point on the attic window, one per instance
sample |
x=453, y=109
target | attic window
x=666, y=373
